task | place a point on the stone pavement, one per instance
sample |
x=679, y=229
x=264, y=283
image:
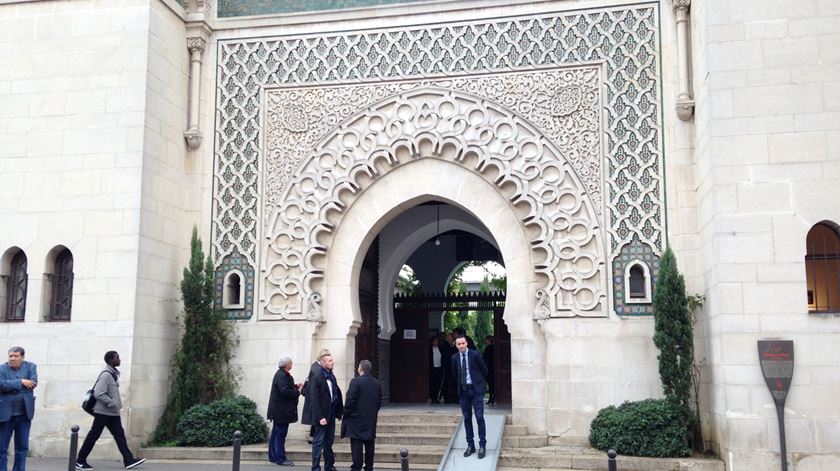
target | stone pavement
x=56, y=464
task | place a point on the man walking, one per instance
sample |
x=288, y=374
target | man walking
x=18, y=379
x=106, y=413
x=471, y=377
x=364, y=396
x=324, y=398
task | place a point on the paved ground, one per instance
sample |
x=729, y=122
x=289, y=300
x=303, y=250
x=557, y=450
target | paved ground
x=53, y=464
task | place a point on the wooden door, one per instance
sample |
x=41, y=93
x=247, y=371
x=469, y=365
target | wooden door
x=409, y=356
x=366, y=340
x=502, y=358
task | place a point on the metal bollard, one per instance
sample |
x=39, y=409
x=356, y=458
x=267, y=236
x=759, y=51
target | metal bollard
x=74, y=446
x=237, y=449
x=612, y=465
x=404, y=460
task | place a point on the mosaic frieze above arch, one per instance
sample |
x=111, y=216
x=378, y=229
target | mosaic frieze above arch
x=623, y=40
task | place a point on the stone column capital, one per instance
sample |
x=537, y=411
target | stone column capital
x=681, y=4
x=196, y=44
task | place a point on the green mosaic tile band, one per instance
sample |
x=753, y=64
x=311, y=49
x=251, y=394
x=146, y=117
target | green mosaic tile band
x=233, y=8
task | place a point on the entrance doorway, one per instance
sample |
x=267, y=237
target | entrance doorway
x=411, y=344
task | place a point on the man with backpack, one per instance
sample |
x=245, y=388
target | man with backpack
x=106, y=413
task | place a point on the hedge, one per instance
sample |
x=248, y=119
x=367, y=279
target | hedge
x=213, y=424
x=644, y=428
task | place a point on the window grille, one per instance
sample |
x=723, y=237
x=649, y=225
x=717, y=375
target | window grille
x=62, y=287
x=822, y=268
x=16, y=289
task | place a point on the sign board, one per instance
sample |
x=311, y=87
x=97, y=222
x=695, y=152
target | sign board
x=776, y=359
x=409, y=334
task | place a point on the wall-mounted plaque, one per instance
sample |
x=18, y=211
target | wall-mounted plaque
x=409, y=334
x=776, y=359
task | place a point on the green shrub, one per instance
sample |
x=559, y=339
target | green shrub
x=645, y=428
x=214, y=424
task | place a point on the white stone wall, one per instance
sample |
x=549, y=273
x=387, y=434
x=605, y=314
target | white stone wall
x=170, y=206
x=767, y=167
x=72, y=98
x=93, y=99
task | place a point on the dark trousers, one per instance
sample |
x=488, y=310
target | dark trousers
x=277, y=443
x=470, y=400
x=114, y=425
x=356, y=452
x=18, y=425
x=435, y=383
x=323, y=441
x=491, y=386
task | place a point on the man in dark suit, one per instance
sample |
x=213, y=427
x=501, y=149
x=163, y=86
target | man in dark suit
x=326, y=406
x=18, y=379
x=306, y=417
x=282, y=411
x=471, y=376
x=364, y=396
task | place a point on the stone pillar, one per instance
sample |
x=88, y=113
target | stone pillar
x=192, y=134
x=685, y=102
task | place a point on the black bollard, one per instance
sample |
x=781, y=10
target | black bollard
x=237, y=449
x=74, y=447
x=611, y=464
x=404, y=460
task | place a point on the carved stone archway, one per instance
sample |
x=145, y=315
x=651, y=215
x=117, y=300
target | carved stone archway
x=543, y=189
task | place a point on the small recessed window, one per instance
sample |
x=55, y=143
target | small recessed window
x=61, y=292
x=15, y=288
x=233, y=296
x=637, y=283
x=822, y=268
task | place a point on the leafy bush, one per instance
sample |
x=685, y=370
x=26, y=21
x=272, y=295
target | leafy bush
x=645, y=428
x=214, y=424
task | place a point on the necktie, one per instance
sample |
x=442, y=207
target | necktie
x=463, y=369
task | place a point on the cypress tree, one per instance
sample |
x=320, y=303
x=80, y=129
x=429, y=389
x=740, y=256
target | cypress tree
x=200, y=367
x=674, y=336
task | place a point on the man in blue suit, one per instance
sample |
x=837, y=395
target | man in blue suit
x=470, y=373
x=18, y=379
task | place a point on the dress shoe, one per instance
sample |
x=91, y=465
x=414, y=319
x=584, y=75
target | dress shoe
x=481, y=452
x=469, y=451
x=287, y=463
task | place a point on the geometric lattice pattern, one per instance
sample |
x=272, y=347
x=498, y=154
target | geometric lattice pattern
x=633, y=252
x=624, y=39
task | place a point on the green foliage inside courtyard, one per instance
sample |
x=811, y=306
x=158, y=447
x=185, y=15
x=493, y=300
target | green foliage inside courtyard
x=652, y=427
x=201, y=371
x=213, y=424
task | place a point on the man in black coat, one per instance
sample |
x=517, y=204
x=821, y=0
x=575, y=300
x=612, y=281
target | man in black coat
x=306, y=418
x=324, y=398
x=471, y=376
x=282, y=411
x=364, y=396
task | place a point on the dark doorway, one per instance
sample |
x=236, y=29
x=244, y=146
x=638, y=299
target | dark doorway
x=410, y=343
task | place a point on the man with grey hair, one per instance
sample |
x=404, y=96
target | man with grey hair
x=18, y=380
x=306, y=418
x=364, y=396
x=325, y=406
x=282, y=411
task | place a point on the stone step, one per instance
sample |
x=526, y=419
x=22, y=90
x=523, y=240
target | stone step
x=542, y=459
x=515, y=430
x=385, y=453
x=413, y=428
x=523, y=441
x=426, y=418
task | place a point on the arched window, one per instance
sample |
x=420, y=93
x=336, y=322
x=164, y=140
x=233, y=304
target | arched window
x=61, y=295
x=16, y=282
x=637, y=283
x=233, y=296
x=822, y=268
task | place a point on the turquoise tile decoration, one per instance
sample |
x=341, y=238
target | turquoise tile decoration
x=234, y=8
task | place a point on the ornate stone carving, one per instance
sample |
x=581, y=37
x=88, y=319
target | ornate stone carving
x=624, y=39
x=196, y=44
x=299, y=118
x=193, y=138
x=472, y=131
x=681, y=4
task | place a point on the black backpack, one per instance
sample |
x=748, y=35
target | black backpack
x=90, y=400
